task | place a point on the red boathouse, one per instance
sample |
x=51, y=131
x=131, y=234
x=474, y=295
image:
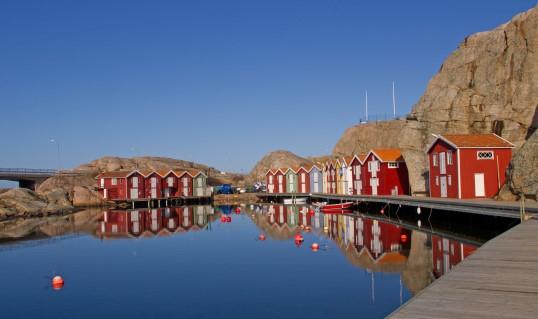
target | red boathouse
x=385, y=173
x=468, y=165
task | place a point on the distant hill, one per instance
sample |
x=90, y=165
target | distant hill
x=276, y=159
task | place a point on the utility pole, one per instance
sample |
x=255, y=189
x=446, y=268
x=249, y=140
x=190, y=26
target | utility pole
x=366, y=97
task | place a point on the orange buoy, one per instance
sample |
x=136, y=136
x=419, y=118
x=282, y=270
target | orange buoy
x=299, y=237
x=261, y=237
x=315, y=247
x=228, y=219
x=57, y=282
x=403, y=238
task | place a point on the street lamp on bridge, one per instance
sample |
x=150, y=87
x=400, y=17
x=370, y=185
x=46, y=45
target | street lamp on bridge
x=58, y=154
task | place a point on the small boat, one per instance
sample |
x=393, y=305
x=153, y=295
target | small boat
x=290, y=201
x=336, y=208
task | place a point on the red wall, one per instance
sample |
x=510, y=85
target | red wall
x=452, y=170
x=181, y=187
x=388, y=178
x=277, y=189
x=147, y=185
x=470, y=165
x=173, y=189
x=307, y=181
x=141, y=193
x=118, y=191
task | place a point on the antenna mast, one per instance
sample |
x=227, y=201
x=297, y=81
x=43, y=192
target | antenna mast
x=366, y=105
x=393, y=101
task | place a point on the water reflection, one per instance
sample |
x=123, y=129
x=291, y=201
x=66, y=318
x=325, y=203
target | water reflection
x=368, y=243
x=154, y=222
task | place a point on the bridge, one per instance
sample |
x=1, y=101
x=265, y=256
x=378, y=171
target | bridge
x=27, y=177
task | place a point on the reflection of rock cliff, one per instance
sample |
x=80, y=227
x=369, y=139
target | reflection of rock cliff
x=489, y=84
x=21, y=229
x=418, y=270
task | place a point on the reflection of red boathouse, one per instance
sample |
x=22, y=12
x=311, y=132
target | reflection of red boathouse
x=447, y=253
x=154, y=222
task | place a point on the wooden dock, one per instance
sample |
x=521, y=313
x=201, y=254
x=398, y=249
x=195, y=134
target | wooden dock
x=500, y=280
x=481, y=206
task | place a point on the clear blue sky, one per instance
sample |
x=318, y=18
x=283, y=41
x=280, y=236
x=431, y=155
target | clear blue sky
x=217, y=82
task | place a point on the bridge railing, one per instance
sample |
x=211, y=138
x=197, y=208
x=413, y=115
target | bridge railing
x=27, y=171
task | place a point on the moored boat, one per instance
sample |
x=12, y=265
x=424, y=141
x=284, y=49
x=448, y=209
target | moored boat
x=335, y=208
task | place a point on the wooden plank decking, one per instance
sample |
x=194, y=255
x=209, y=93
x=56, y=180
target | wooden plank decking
x=500, y=280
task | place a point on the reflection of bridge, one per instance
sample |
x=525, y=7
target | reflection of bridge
x=27, y=178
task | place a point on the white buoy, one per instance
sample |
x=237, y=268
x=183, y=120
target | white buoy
x=418, y=210
x=419, y=223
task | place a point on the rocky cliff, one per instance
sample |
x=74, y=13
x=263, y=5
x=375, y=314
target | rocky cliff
x=361, y=138
x=488, y=84
x=276, y=159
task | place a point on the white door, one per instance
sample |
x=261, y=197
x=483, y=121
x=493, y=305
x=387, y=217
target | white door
x=153, y=193
x=443, y=186
x=316, y=187
x=134, y=193
x=374, y=183
x=134, y=180
x=105, y=193
x=479, y=186
x=442, y=163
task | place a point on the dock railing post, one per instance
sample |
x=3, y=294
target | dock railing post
x=522, y=207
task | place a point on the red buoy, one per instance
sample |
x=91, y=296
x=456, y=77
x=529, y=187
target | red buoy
x=315, y=247
x=223, y=219
x=261, y=237
x=299, y=237
x=311, y=211
x=57, y=282
x=382, y=211
x=228, y=219
x=298, y=243
x=238, y=210
x=403, y=238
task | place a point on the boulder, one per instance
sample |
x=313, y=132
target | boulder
x=83, y=196
x=523, y=177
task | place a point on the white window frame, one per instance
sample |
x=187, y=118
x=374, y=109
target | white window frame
x=449, y=159
x=436, y=180
x=449, y=180
x=435, y=160
x=480, y=155
x=102, y=183
x=170, y=181
x=271, y=179
x=393, y=165
x=114, y=181
x=316, y=177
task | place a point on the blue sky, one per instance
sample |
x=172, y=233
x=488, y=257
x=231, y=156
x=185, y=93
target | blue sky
x=217, y=82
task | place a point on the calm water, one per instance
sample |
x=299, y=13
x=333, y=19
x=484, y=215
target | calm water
x=187, y=262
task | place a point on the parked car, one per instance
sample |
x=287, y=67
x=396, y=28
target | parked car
x=224, y=189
